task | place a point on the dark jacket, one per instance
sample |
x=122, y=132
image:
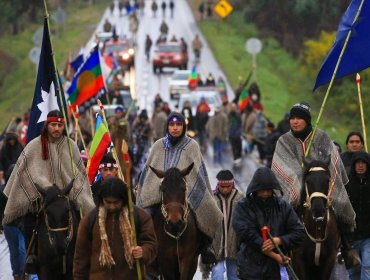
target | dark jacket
x=358, y=190
x=346, y=158
x=251, y=214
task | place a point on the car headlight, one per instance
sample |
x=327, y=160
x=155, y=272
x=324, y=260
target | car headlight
x=125, y=56
x=131, y=51
x=177, y=57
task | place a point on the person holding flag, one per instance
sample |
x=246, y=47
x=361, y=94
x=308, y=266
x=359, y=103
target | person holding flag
x=47, y=155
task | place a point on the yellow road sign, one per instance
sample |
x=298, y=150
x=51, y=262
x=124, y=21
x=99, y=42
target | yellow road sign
x=223, y=8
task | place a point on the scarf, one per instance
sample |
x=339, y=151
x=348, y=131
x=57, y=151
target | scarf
x=105, y=257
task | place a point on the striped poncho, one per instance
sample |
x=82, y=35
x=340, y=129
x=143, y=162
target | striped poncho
x=287, y=166
x=199, y=192
x=31, y=169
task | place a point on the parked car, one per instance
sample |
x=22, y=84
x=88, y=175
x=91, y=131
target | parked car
x=179, y=83
x=170, y=54
x=212, y=97
x=122, y=49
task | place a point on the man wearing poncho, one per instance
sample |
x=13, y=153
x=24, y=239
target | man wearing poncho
x=46, y=161
x=287, y=166
x=178, y=150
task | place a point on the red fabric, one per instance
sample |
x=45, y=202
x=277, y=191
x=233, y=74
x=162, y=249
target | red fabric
x=55, y=119
x=45, y=147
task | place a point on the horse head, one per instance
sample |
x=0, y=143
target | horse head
x=174, y=206
x=316, y=187
x=56, y=212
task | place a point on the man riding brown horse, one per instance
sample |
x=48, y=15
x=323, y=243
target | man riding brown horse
x=178, y=150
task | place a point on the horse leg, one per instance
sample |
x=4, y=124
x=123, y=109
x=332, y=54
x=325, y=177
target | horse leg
x=188, y=267
x=328, y=268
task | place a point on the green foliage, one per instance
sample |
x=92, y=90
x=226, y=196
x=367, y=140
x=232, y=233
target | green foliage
x=315, y=51
x=18, y=80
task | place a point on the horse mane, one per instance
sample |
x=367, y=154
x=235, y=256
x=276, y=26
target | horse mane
x=51, y=193
x=173, y=180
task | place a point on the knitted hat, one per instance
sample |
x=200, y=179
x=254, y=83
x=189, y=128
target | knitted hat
x=301, y=110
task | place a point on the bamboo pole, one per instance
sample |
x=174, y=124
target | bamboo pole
x=332, y=79
x=76, y=117
x=130, y=203
x=358, y=81
x=60, y=93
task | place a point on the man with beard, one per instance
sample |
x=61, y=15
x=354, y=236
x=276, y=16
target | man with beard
x=104, y=246
x=46, y=161
x=176, y=149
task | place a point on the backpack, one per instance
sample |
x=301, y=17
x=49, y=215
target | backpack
x=92, y=219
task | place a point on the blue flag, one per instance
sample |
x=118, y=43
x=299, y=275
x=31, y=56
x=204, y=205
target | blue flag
x=46, y=96
x=77, y=62
x=356, y=57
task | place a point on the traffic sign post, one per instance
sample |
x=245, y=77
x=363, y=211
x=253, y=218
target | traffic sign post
x=253, y=46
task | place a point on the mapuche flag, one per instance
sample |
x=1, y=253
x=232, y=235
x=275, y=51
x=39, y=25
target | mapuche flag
x=244, y=99
x=356, y=56
x=46, y=96
x=99, y=146
x=87, y=83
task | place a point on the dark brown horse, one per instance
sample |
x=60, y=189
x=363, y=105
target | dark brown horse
x=177, y=233
x=316, y=257
x=56, y=229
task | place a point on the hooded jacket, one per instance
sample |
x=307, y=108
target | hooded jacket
x=358, y=190
x=251, y=214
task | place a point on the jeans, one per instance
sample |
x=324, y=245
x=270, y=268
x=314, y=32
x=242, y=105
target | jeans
x=218, y=148
x=227, y=265
x=363, y=248
x=17, y=248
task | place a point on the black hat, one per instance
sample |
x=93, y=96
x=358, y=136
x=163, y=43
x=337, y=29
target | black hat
x=114, y=187
x=301, y=110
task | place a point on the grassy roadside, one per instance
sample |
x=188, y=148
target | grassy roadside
x=278, y=74
x=18, y=84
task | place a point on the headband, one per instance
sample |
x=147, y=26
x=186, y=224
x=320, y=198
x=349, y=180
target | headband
x=55, y=119
x=230, y=182
x=108, y=164
x=175, y=120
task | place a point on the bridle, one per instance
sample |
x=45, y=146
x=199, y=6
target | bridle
x=318, y=225
x=68, y=228
x=185, y=207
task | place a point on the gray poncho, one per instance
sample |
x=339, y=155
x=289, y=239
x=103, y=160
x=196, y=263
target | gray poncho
x=287, y=166
x=31, y=169
x=199, y=191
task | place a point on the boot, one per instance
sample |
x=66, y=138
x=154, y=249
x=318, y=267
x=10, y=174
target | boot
x=350, y=255
x=206, y=250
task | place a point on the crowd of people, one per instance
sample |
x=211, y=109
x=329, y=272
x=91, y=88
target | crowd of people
x=160, y=142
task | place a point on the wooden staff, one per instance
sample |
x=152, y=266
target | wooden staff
x=92, y=123
x=130, y=203
x=332, y=79
x=76, y=117
x=358, y=81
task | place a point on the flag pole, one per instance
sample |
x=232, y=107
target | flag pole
x=130, y=203
x=76, y=116
x=60, y=92
x=358, y=81
x=332, y=79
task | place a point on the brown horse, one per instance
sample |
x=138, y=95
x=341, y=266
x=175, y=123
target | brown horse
x=316, y=257
x=56, y=231
x=177, y=233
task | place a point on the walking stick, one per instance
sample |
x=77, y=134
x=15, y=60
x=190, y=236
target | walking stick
x=130, y=203
x=266, y=234
x=358, y=81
